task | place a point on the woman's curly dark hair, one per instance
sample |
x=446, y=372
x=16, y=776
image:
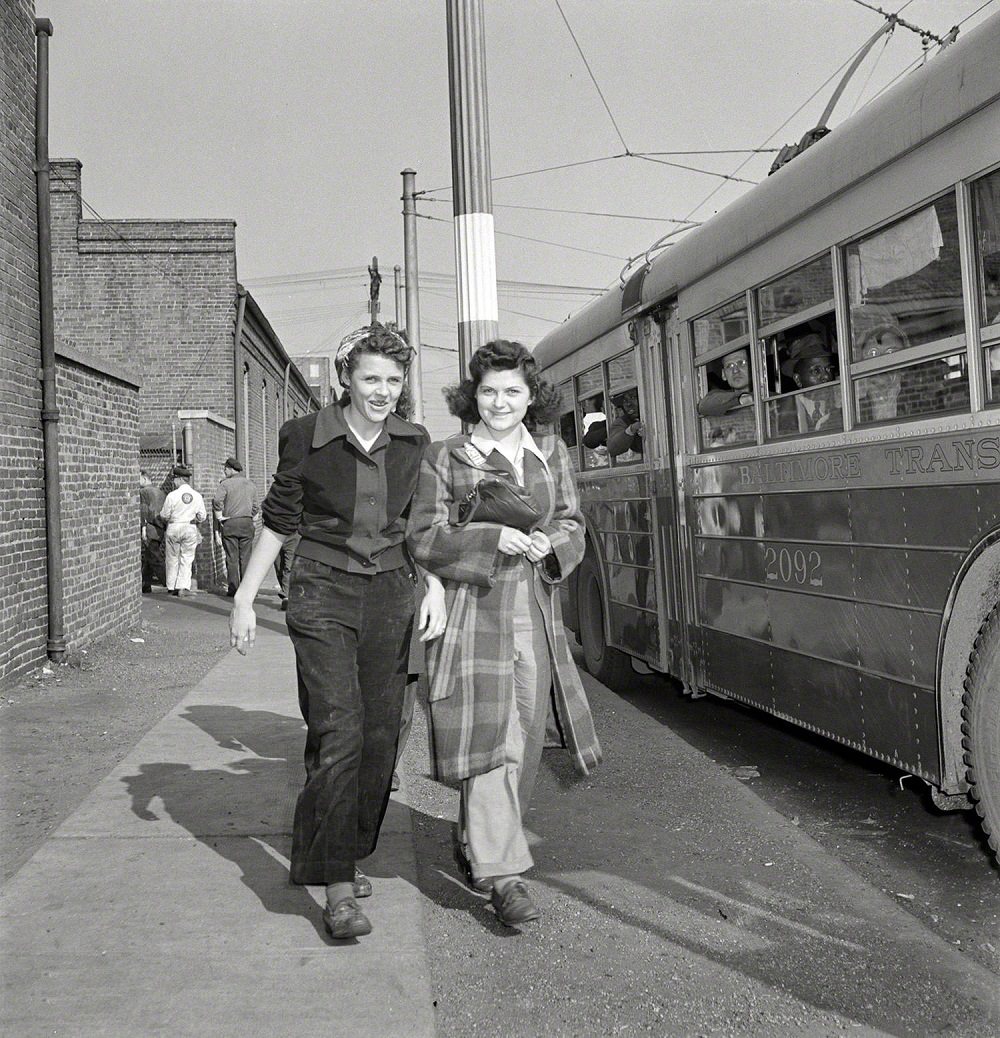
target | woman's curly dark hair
x=505, y=355
x=380, y=342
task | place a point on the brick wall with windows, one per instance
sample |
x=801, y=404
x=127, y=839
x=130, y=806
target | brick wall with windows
x=162, y=295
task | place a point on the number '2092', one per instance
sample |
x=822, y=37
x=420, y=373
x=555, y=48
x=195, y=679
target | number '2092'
x=793, y=566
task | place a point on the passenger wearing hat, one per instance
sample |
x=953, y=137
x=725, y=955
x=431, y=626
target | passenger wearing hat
x=235, y=504
x=810, y=363
x=183, y=509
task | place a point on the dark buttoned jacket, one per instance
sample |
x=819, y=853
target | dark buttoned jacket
x=349, y=505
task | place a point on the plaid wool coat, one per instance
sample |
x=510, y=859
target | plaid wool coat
x=470, y=667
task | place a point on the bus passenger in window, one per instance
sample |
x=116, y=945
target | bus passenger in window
x=730, y=408
x=595, y=433
x=626, y=430
x=809, y=363
x=736, y=372
x=878, y=394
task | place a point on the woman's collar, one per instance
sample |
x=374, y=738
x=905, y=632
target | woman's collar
x=485, y=443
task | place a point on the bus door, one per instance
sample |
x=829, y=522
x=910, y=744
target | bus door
x=662, y=341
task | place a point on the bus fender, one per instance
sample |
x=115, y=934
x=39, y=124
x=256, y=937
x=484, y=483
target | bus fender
x=974, y=593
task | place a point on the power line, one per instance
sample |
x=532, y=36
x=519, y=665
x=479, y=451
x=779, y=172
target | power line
x=581, y=212
x=593, y=78
x=524, y=237
x=692, y=169
x=533, y=172
x=924, y=34
x=718, y=151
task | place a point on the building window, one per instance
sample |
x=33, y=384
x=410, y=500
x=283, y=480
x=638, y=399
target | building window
x=263, y=427
x=246, y=417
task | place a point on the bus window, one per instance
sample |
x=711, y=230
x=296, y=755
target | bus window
x=567, y=422
x=725, y=404
x=924, y=388
x=908, y=276
x=626, y=430
x=722, y=358
x=904, y=286
x=803, y=380
x=593, y=420
x=798, y=331
x=729, y=324
x=986, y=209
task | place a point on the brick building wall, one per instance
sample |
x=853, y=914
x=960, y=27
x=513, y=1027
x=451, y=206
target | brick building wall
x=267, y=405
x=99, y=491
x=163, y=296
x=157, y=295
x=23, y=603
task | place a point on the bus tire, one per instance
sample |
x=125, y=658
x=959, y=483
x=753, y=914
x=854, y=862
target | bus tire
x=981, y=727
x=610, y=666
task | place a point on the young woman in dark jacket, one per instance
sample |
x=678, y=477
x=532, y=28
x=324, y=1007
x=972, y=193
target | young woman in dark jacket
x=345, y=478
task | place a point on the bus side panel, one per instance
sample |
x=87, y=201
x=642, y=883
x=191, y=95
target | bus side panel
x=901, y=725
x=840, y=564
x=620, y=512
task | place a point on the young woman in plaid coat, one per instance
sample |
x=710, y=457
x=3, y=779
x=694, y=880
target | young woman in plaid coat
x=504, y=653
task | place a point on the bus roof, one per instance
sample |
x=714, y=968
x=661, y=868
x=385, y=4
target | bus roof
x=960, y=80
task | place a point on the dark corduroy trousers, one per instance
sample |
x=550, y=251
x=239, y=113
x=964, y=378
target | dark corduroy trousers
x=237, y=543
x=351, y=634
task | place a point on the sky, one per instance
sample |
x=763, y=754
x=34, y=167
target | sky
x=296, y=118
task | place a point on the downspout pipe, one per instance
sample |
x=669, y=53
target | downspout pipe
x=56, y=642
x=284, y=393
x=241, y=308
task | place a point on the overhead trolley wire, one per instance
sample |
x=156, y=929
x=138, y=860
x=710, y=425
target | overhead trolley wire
x=524, y=237
x=692, y=169
x=924, y=34
x=581, y=212
x=590, y=72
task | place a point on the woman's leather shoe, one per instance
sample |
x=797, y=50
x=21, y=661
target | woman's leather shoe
x=513, y=905
x=362, y=884
x=345, y=920
x=481, y=886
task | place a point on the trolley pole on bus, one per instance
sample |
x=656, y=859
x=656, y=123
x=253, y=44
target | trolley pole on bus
x=475, y=250
x=412, y=292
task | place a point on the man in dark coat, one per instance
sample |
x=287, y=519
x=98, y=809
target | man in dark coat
x=235, y=504
x=151, y=499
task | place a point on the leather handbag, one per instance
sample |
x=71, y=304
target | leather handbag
x=496, y=500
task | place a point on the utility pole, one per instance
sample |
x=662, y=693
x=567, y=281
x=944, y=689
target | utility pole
x=397, y=277
x=412, y=292
x=374, y=284
x=475, y=249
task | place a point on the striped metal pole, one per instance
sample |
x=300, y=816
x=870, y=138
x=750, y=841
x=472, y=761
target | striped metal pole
x=475, y=251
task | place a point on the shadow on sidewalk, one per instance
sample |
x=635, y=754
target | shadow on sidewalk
x=238, y=809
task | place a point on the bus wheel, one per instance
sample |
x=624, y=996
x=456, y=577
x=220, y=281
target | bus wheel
x=610, y=666
x=981, y=727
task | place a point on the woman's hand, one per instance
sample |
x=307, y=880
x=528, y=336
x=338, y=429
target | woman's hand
x=540, y=546
x=433, y=612
x=513, y=542
x=242, y=627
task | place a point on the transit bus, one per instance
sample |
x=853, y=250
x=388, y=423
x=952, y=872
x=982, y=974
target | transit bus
x=786, y=429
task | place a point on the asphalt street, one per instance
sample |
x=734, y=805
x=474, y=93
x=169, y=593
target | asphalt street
x=719, y=874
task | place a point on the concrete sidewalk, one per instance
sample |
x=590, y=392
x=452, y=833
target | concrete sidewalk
x=162, y=906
